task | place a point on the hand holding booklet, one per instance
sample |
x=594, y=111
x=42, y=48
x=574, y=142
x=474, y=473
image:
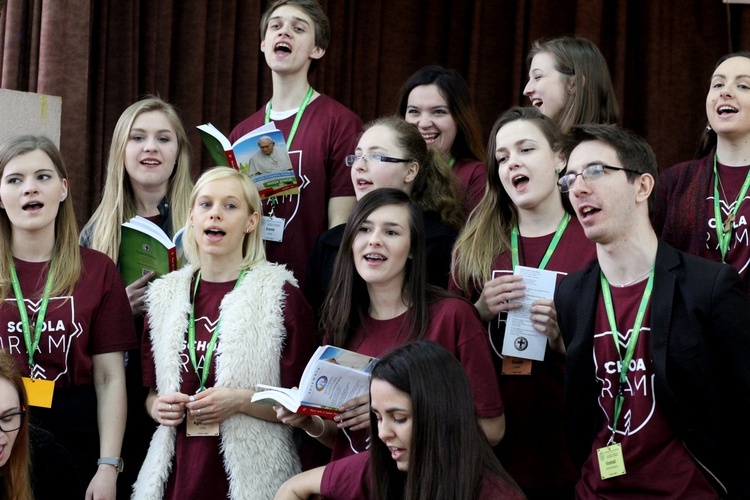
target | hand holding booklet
x=332, y=377
x=261, y=153
x=145, y=247
x=521, y=339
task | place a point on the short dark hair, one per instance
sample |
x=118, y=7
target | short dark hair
x=310, y=7
x=633, y=152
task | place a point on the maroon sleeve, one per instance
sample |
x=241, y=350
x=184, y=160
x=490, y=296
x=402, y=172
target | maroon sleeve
x=147, y=357
x=299, y=345
x=458, y=319
x=346, y=129
x=347, y=478
x=112, y=326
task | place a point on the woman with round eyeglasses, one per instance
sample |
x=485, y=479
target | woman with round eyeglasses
x=52, y=472
x=713, y=188
x=14, y=438
x=522, y=221
x=392, y=153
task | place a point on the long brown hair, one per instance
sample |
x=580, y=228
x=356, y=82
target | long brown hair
x=487, y=233
x=593, y=99
x=449, y=455
x=16, y=471
x=348, y=300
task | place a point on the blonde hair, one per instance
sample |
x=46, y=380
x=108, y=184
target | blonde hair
x=118, y=200
x=66, y=254
x=253, y=250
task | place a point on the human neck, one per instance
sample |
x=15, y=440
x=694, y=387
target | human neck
x=629, y=259
x=542, y=219
x=733, y=153
x=147, y=200
x=386, y=302
x=289, y=90
x=220, y=269
x=33, y=247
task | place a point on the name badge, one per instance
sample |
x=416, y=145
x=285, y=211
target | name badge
x=196, y=429
x=516, y=366
x=39, y=392
x=611, y=462
x=272, y=228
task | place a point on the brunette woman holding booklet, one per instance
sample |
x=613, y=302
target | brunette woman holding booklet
x=382, y=300
x=411, y=402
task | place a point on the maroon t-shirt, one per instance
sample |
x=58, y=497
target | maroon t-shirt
x=349, y=479
x=455, y=325
x=473, y=176
x=198, y=470
x=738, y=253
x=648, y=441
x=534, y=453
x=95, y=319
x=327, y=133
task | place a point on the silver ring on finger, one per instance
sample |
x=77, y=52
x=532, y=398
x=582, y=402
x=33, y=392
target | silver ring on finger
x=199, y=412
x=170, y=407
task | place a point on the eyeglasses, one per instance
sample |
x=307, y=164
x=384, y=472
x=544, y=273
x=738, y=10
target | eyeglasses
x=372, y=158
x=12, y=421
x=590, y=174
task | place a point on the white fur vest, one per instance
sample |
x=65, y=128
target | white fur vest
x=258, y=455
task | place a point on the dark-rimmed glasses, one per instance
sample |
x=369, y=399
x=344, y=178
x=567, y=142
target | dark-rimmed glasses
x=12, y=421
x=372, y=158
x=590, y=174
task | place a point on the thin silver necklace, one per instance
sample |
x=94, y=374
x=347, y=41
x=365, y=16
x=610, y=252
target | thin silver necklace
x=639, y=278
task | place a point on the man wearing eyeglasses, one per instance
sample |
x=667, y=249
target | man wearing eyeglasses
x=658, y=341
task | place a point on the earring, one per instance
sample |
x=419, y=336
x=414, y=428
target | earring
x=708, y=128
x=247, y=231
x=558, y=170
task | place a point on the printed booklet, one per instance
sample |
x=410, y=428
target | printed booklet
x=145, y=247
x=261, y=153
x=332, y=377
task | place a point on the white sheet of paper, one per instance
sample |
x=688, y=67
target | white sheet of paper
x=521, y=340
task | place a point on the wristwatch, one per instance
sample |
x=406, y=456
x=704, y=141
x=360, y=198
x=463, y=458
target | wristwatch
x=116, y=462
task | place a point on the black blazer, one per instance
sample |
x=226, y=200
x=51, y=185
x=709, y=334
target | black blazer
x=700, y=340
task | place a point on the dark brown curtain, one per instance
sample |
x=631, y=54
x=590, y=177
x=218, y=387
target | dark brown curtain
x=204, y=57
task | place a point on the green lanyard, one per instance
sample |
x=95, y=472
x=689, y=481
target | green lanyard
x=31, y=344
x=203, y=374
x=550, y=249
x=624, y=362
x=452, y=161
x=724, y=231
x=297, y=118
